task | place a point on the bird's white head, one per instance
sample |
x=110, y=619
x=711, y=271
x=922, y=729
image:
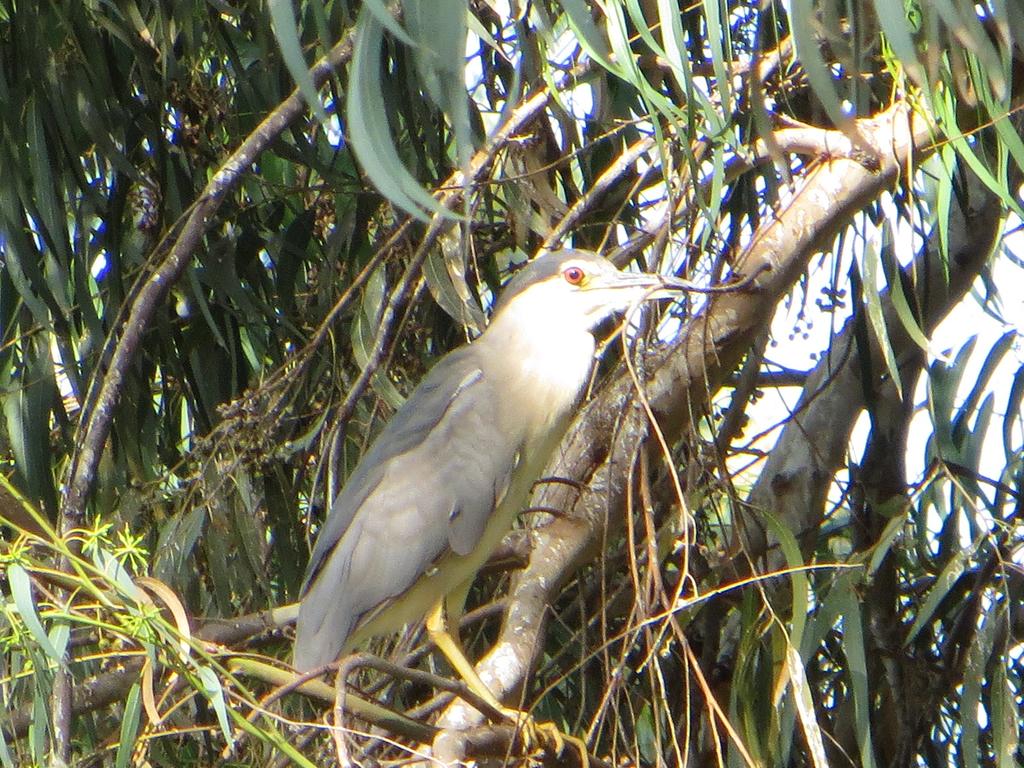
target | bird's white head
x=574, y=291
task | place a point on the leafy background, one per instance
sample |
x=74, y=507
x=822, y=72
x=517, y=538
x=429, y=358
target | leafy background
x=217, y=287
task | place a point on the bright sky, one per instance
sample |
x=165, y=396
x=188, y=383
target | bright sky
x=799, y=343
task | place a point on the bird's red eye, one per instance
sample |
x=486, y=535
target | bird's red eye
x=574, y=275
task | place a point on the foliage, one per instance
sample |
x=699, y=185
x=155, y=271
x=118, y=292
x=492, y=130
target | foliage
x=213, y=296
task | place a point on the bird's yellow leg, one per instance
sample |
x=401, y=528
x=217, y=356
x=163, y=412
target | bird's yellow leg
x=450, y=645
x=533, y=732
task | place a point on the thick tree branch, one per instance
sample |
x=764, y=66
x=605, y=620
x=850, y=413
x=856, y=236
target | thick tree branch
x=812, y=447
x=105, y=390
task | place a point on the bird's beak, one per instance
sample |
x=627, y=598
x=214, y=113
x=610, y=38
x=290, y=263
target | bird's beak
x=643, y=285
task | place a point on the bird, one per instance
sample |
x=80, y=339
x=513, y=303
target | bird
x=449, y=473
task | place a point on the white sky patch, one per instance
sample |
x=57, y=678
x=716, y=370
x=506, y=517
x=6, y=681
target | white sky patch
x=968, y=320
x=99, y=266
x=333, y=128
x=803, y=325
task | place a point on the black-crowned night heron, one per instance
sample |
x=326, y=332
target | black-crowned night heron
x=446, y=478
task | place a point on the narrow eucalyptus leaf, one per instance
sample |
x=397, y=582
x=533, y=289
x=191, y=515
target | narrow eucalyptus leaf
x=215, y=694
x=439, y=29
x=856, y=670
x=577, y=13
x=803, y=17
x=129, y=726
x=962, y=20
x=1005, y=717
x=369, y=131
x=175, y=546
x=21, y=591
x=383, y=16
x=804, y=699
x=951, y=572
x=896, y=26
x=59, y=635
x=287, y=33
x=943, y=382
x=1014, y=409
x=884, y=543
x=995, y=355
x=945, y=107
x=976, y=659
x=876, y=313
x=6, y=760
x=52, y=213
x=716, y=16
x=794, y=559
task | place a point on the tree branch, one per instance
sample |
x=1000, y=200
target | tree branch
x=148, y=294
x=812, y=446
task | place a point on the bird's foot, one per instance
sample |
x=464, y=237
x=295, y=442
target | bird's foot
x=544, y=736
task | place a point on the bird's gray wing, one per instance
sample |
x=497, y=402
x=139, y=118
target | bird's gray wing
x=407, y=429
x=427, y=485
x=480, y=456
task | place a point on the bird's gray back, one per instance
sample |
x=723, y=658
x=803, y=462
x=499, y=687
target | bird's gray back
x=402, y=508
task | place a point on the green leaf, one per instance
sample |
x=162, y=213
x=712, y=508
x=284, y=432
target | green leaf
x=992, y=360
x=21, y=591
x=896, y=26
x=976, y=660
x=805, y=707
x=646, y=737
x=293, y=249
x=286, y=31
x=246, y=516
x=876, y=312
x=115, y=572
x=51, y=210
x=37, y=731
x=5, y=754
x=716, y=15
x=802, y=18
x=364, y=337
x=1005, y=719
x=800, y=586
x=963, y=23
x=175, y=545
x=59, y=635
x=270, y=735
x=213, y=691
x=677, y=55
x=129, y=726
x=949, y=575
x=905, y=314
x=445, y=272
x=974, y=440
x=943, y=382
x=370, y=132
x=946, y=160
x=439, y=29
x=945, y=106
x=27, y=406
x=881, y=548
x=1014, y=409
x=577, y=13
x=384, y=16
x=857, y=669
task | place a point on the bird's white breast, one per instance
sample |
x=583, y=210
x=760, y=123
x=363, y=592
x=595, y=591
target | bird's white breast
x=545, y=366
